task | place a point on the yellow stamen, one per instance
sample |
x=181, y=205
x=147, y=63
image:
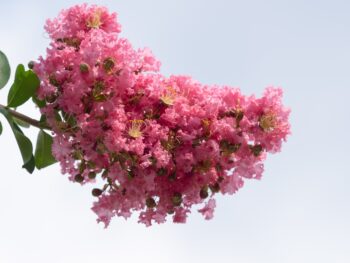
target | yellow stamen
x=206, y=123
x=95, y=20
x=206, y=127
x=169, y=96
x=135, y=128
x=267, y=122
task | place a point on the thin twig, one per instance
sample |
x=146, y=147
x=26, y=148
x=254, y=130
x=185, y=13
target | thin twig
x=26, y=119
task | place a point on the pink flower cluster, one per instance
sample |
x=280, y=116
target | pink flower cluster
x=154, y=145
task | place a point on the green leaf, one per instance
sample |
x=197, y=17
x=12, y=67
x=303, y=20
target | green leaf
x=30, y=166
x=24, y=144
x=5, y=70
x=21, y=123
x=25, y=85
x=0, y=128
x=43, y=153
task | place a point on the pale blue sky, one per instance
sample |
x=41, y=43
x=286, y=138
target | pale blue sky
x=299, y=212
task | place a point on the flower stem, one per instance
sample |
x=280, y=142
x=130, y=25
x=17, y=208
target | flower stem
x=26, y=119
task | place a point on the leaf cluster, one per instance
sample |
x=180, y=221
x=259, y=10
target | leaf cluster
x=23, y=88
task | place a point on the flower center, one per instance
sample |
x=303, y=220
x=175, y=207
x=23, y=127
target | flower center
x=95, y=20
x=135, y=128
x=169, y=96
x=267, y=122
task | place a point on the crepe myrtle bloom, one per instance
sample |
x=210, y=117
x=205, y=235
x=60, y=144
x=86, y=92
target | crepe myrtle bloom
x=160, y=144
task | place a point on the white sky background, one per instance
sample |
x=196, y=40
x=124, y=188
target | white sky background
x=299, y=211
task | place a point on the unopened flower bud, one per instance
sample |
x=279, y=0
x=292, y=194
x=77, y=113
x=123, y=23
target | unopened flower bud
x=256, y=149
x=150, y=202
x=96, y=192
x=204, y=192
x=31, y=64
x=51, y=98
x=108, y=64
x=177, y=199
x=84, y=68
x=79, y=178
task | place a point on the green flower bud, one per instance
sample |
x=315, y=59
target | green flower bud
x=96, y=192
x=204, y=192
x=150, y=202
x=108, y=64
x=84, y=68
x=51, y=98
x=256, y=149
x=176, y=199
x=31, y=64
x=79, y=178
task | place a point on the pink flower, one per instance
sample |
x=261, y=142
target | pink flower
x=160, y=145
x=208, y=210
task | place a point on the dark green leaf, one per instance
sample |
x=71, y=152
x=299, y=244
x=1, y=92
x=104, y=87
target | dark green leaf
x=43, y=153
x=24, y=87
x=24, y=144
x=0, y=128
x=21, y=123
x=5, y=70
x=30, y=166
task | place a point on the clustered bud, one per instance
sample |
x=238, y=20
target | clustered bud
x=160, y=145
x=84, y=68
